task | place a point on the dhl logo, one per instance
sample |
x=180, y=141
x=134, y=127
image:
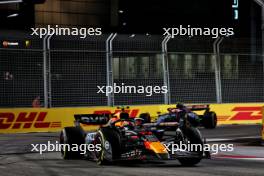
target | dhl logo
x=132, y=113
x=243, y=113
x=247, y=113
x=26, y=120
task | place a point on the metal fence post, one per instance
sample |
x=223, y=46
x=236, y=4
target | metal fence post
x=45, y=88
x=166, y=80
x=46, y=71
x=218, y=83
x=109, y=68
x=49, y=72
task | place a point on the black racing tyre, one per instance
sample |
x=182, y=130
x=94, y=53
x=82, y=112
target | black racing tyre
x=110, y=142
x=71, y=137
x=146, y=117
x=192, y=135
x=209, y=120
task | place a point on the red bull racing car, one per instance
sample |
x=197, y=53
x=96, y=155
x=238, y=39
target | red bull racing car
x=124, y=138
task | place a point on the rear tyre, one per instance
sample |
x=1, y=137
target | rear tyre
x=209, y=120
x=71, y=137
x=192, y=135
x=109, y=140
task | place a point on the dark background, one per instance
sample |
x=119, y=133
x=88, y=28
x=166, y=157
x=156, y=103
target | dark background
x=150, y=16
x=141, y=16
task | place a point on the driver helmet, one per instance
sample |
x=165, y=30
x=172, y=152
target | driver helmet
x=180, y=106
x=127, y=125
x=138, y=121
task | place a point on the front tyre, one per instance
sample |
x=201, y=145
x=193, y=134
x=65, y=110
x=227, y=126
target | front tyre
x=193, y=135
x=109, y=140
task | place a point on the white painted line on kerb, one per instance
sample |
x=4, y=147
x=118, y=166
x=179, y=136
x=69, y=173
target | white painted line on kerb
x=230, y=139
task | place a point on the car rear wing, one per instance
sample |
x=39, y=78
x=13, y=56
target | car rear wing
x=92, y=119
x=198, y=107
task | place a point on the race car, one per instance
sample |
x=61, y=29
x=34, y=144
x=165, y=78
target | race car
x=208, y=119
x=125, y=138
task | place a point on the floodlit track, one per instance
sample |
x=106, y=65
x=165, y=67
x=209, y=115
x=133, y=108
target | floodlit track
x=16, y=158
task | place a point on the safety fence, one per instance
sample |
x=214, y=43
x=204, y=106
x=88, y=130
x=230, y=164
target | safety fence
x=66, y=71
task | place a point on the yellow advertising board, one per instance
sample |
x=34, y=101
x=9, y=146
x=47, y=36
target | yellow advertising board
x=22, y=120
x=262, y=136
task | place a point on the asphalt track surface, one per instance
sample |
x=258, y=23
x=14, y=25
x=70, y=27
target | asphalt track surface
x=16, y=157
